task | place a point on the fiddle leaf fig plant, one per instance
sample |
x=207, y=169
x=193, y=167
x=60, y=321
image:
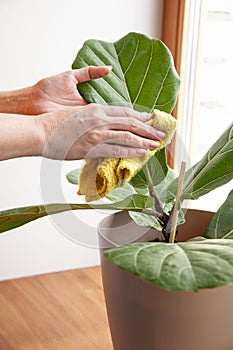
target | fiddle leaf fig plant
x=144, y=78
x=185, y=266
x=221, y=225
x=212, y=171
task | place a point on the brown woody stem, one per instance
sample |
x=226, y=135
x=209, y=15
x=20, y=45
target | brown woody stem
x=172, y=223
x=158, y=206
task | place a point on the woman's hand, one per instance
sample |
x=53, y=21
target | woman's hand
x=60, y=91
x=50, y=94
x=96, y=131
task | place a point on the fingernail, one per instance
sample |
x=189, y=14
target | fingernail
x=154, y=144
x=160, y=134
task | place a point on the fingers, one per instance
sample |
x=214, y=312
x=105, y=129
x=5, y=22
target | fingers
x=127, y=119
x=118, y=144
x=117, y=111
x=136, y=127
x=100, y=131
x=125, y=138
x=91, y=72
x=115, y=151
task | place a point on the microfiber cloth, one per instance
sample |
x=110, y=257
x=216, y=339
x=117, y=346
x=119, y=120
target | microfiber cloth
x=99, y=176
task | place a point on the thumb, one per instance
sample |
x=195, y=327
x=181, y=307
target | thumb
x=91, y=72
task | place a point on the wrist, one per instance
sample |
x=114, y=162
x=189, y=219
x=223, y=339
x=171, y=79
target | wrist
x=52, y=132
x=46, y=124
x=20, y=137
x=16, y=101
x=40, y=135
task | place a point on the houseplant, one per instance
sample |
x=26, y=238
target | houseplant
x=144, y=78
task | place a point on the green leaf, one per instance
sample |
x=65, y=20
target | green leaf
x=186, y=266
x=221, y=226
x=73, y=176
x=158, y=169
x=13, y=218
x=120, y=193
x=161, y=188
x=213, y=170
x=145, y=220
x=143, y=75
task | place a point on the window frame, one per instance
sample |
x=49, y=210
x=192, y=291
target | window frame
x=174, y=33
x=173, y=27
x=180, y=32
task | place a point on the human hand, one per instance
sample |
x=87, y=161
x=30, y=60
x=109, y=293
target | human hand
x=96, y=131
x=60, y=91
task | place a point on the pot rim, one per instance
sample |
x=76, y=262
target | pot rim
x=114, y=234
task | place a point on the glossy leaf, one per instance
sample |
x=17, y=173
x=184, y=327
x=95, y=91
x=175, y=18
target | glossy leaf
x=213, y=170
x=161, y=188
x=12, y=218
x=143, y=75
x=145, y=220
x=158, y=169
x=186, y=266
x=221, y=226
x=120, y=193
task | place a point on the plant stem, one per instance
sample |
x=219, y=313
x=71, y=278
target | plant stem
x=158, y=205
x=174, y=212
x=151, y=212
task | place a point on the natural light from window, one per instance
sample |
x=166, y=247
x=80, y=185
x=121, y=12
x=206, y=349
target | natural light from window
x=208, y=108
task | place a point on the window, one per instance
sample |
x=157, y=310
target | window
x=205, y=63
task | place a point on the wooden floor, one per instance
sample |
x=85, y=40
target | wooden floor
x=57, y=311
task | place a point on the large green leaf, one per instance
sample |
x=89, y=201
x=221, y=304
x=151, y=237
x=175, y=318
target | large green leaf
x=185, y=266
x=157, y=167
x=221, y=226
x=119, y=193
x=143, y=75
x=213, y=170
x=12, y=218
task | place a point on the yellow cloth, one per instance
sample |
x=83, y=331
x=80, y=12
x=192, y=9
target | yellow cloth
x=100, y=176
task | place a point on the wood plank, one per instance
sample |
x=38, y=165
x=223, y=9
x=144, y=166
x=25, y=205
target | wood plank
x=173, y=26
x=57, y=311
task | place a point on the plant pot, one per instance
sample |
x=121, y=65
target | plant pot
x=144, y=317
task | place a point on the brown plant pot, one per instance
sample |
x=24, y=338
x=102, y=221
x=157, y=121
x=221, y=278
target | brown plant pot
x=145, y=317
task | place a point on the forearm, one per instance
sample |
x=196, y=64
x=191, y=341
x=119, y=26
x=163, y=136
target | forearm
x=20, y=136
x=16, y=101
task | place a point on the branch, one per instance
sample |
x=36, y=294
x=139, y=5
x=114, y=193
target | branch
x=153, y=194
x=172, y=223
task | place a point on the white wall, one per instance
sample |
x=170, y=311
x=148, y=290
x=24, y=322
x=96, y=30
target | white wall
x=37, y=39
